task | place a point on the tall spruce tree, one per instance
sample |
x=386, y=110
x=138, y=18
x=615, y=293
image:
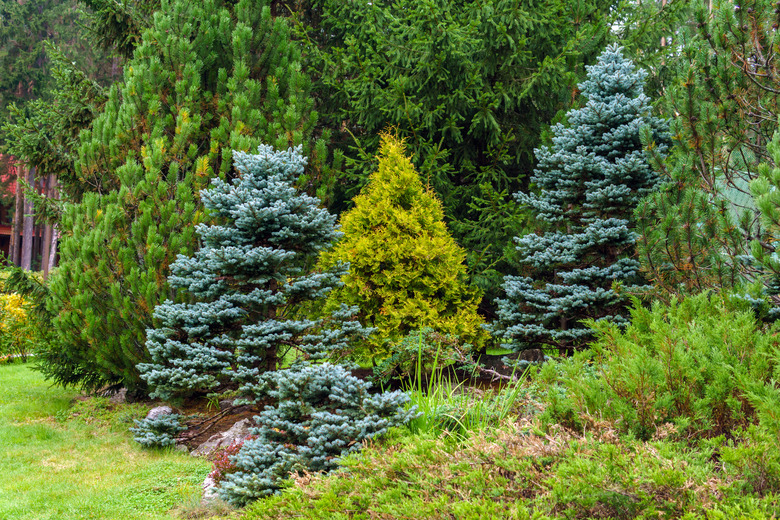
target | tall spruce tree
x=406, y=271
x=248, y=279
x=226, y=79
x=590, y=180
x=470, y=85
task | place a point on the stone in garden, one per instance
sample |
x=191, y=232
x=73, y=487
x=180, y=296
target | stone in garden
x=119, y=397
x=159, y=411
x=209, y=487
x=237, y=433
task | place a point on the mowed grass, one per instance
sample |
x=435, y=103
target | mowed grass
x=66, y=459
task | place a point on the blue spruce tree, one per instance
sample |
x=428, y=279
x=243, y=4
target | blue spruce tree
x=590, y=182
x=249, y=281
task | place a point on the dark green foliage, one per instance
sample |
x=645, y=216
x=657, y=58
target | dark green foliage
x=158, y=432
x=192, y=93
x=767, y=199
x=249, y=279
x=45, y=133
x=703, y=364
x=469, y=85
x=26, y=28
x=590, y=180
x=119, y=25
x=321, y=414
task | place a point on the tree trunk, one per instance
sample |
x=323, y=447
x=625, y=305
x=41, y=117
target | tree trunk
x=16, y=226
x=27, y=227
x=52, y=260
x=47, y=231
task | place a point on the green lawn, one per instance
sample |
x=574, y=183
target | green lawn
x=65, y=459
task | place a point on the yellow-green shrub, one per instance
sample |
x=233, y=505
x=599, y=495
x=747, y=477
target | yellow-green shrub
x=17, y=332
x=406, y=271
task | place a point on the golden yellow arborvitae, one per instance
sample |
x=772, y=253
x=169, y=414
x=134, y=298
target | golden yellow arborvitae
x=406, y=271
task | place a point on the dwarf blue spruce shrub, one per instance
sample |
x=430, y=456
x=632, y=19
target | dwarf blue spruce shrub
x=249, y=281
x=591, y=179
x=158, y=432
x=321, y=413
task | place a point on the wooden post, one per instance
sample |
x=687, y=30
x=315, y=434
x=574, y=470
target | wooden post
x=27, y=226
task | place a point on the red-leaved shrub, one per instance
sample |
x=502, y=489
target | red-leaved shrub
x=222, y=463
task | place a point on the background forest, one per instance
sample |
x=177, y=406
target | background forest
x=254, y=199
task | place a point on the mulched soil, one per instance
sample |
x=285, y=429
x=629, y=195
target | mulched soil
x=200, y=429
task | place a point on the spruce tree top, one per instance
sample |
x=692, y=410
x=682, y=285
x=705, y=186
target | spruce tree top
x=597, y=168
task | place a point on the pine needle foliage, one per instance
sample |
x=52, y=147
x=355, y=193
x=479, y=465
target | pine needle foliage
x=248, y=279
x=727, y=106
x=590, y=181
x=226, y=79
x=406, y=271
x=470, y=85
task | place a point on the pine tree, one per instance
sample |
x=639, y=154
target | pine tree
x=249, y=279
x=726, y=111
x=406, y=271
x=227, y=79
x=590, y=180
x=766, y=192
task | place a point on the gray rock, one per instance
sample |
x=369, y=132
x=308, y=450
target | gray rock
x=209, y=491
x=237, y=432
x=182, y=448
x=159, y=411
x=120, y=397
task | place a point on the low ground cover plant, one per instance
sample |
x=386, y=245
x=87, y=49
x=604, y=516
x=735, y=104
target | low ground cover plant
x=516, y=471
x=703, y=364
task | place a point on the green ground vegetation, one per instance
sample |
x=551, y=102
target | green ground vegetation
x=517, y=472
x=65, y=458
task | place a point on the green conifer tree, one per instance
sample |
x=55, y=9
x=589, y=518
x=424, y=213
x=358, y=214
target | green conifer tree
x=406, y=271
x=226, y=79
x=470, y=85
x=726, y=108
x=766, y=192
x=590, y=181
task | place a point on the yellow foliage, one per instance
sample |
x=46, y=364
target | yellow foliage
x=406, y=271
x=17, y=332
